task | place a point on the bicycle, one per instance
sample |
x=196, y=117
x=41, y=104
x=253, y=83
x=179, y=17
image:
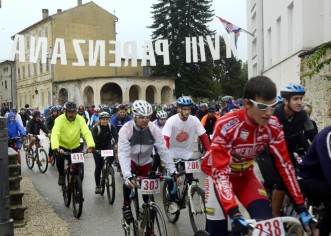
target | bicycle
x=38, y=155
x=189, y=194
x=148, y=220
x=73, y=189
x=107, y=181
x=15, y=143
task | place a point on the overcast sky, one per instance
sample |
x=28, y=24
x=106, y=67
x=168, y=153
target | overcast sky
x=133, y=15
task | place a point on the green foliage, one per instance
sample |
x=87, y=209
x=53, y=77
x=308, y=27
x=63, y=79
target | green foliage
x=174, y=20
x=316, y=61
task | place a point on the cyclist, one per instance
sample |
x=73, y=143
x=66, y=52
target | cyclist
x=34, y=126
x=136, y=141
x=180, y=132
x=315, y=176
x=202, y=111
x=103, y=134
x=66, y=136
x=95, y=117
x=238, y=138
x=15, y=129
x=50, y=123
x=24, y=116
x=297, y=128
x=209, y=120
x=82, y=112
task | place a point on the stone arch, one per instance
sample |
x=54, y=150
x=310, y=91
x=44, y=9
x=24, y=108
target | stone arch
x=166, y=95
x=150, y=94
x=111, y=93
x=134, y=92
x=63, y=96
x=88, y=96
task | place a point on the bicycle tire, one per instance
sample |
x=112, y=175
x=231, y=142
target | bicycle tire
x=66, y=189
x=77, y=197
x=103, y=180
x=201, y=233
x=132, y=229
x=198, y=219
x=173, y=218
x=156, y=221
x=135, y=207
x=110, y=185
x=42, y=160
x=81, y=172
x=29, y=157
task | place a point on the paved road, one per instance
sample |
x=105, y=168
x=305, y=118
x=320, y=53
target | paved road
x=98, y=216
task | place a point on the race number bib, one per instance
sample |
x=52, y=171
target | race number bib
x=77, y=157
x=192, y=166
x=81, y=140
x=107, y=153
x=150, y=186
x=269, y=227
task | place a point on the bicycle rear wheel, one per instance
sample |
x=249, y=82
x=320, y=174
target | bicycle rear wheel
x=166, y=202
x=29, y=157
x=77, y=197
x=197, y=204
x=156, y=225
x=110, y=185
x=42, y=160
x=66, y=190
x=81, y=172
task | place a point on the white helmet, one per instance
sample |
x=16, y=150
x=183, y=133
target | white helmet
x=141, y=108
x=162, y=114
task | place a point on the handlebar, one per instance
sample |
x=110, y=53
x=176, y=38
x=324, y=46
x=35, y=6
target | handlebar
x=177, y=160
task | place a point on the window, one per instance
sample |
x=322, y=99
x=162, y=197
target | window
x=49, y=97
x=269, y=56
x=255, y=69
x=290, y=28
x=47, y=65
x=27, y=41
x=40, y=32
x=29, y=71
x=41, y=67
x=46, y=32
x=278, y=39
x=18, y=73
x=42, y=98
x=5, y=84
x=35, y=68
x=23, y=72
x=254, y=48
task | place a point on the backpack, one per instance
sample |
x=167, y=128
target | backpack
x=99, y=129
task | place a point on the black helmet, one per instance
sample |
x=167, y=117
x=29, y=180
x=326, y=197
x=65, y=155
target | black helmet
x=70, y=106
x=36, y=113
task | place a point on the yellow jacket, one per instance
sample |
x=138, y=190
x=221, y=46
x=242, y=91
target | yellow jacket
x=67, y=134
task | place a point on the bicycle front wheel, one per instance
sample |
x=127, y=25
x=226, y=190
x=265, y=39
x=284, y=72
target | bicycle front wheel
x=77, y=197
x=156, y=225
x=110, y=185
x=197, y=209
x=42, y=160
x=29, y=157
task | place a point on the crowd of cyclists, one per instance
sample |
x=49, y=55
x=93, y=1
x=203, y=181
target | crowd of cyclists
x=277, y=132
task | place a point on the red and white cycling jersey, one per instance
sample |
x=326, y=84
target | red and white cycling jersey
x=237, y=140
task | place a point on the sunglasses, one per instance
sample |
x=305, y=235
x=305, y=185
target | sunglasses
x=262, y=106
x=144, y=117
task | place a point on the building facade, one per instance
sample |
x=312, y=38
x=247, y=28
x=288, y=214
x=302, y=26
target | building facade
x=7, y=84
x=53, y=82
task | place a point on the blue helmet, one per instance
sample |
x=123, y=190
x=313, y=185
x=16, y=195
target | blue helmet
x=184, y=101
x=292, y=89
x=279, y=99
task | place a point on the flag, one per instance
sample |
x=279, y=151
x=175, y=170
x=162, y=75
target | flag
x=229, y=27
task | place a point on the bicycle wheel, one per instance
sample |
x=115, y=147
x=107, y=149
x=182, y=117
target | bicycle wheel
x=103, y=180
x=81, y=172
x=201, y=233
x=293, y=229
x=156, y=225
x=130, y=229
x=110, y=184
x=66, y=190
x=166, y=202
x=77, y=197
x=42, y=160
x=29, y=157
x=197, y=204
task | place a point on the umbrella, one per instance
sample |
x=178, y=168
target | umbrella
x=226, y=98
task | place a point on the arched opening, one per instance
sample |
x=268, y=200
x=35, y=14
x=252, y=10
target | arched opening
x=166, y=95
x=134, y=92
x=110, y=94
x=88, y=96
x=150, y=94
x=63, y=96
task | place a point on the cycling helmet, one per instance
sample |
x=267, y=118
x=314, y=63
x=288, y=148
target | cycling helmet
x=97, y=109
x=211, y=109
x=104, y=114
x=161, y=115
x=292, y=89
x=205, y=105
x=70, y=106
x=13, y=110
x=141, y=108
x=184, y=101
x=279, y=99
x=36, y=113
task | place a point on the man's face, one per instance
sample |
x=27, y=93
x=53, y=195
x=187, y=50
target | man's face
x=295, y=103
x=185, y=112
x=142, y=121
x=37, y=118
x=12, y=119
x=211, y=114
x=162, y=121
x=104, y=121
x=260, y=110
x=71, y=115
x=121, y=113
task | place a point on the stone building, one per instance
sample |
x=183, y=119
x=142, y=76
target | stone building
x=53, y=82
x=7, y=84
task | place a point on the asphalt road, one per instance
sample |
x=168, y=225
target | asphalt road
x=98, y=217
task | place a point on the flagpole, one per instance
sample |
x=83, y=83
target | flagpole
x=247, y=32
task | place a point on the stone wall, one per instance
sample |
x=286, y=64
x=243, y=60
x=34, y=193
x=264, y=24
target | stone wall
x=319, y=95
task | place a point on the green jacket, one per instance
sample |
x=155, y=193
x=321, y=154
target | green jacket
x=67, y=134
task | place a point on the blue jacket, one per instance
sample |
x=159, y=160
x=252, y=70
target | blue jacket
x=117, y=122
x=317, y=162
x=14, y=129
